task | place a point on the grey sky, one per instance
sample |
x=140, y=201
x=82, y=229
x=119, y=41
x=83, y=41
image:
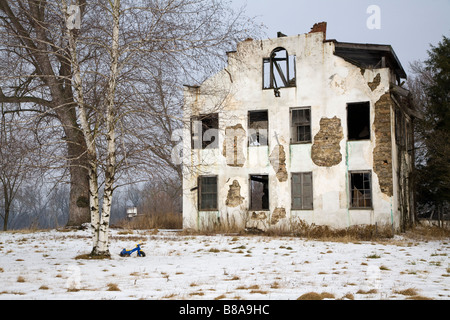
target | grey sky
x=409, y=26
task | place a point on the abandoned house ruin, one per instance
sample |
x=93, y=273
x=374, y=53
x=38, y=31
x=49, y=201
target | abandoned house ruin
x=300, y=128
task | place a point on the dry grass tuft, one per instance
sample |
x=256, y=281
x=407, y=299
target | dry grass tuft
x=364, y=232
x=371, y=291
x=89, y=256
x=316, y=296
x=407, y=292
x=419, y=298
x=112, y=287
x=422, y=232
x=154, y=221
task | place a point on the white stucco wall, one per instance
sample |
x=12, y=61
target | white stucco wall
x=326, y=83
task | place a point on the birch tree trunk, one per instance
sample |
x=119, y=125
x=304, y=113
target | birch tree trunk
x=103, y=241
x=89, y=136
x=99, y=223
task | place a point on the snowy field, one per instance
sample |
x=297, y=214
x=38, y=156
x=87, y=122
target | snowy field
x=43, y=265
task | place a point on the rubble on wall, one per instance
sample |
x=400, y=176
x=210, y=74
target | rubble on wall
x=382, y=154
x=278, y=161
x=234, y=197
x=326, y=151
x=234, y=140
x=277, y=215
x=375, y=83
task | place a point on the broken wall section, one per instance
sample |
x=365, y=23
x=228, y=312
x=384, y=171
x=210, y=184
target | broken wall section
x=326, y=150
x=382, y=153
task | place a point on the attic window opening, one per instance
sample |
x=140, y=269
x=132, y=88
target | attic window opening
x=279, y=70
x=259, y=192
x=258, y=124
x=358, y=121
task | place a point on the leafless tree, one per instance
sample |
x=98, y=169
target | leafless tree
x=35, y=76
x=17, y=159
x=137, y=43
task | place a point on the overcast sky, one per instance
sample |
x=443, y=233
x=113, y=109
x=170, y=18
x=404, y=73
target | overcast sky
x=409, y=26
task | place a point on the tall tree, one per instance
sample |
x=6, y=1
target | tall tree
x=35, y=77
x=431, y=89
x=135, y=44
x=17, y=148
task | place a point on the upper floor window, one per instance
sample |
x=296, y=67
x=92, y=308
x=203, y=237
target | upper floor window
x=279, y=70
x=301, y=125
x=358, y=121
x=205, y=131
x=258, y=125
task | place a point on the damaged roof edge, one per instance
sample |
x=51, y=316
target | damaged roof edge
x=369, y=55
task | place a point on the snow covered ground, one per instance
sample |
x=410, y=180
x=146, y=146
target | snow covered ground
x=42, y=265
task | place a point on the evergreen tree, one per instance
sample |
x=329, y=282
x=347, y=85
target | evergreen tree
x=433, y=169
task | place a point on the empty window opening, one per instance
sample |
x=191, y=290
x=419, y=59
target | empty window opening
x=301, y=125
x=205, y=131
x=360, y=189
x=258, y=125
x=259, y=192
x=279, y=70
x=400, y=124
x=302, y=191
x=358, y=121
x=207, y=193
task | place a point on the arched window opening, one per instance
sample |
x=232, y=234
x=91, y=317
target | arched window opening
x=279, y=70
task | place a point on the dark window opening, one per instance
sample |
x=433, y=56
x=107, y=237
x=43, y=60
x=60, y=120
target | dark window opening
x=360, y=189
x=207, y=193
x=259, y=192
x=358, y=121
x=205, y=131
x=301, y=125
x=279, y=70
x=258, y=125
x=302, y=191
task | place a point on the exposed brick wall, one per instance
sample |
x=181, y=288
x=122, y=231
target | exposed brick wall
x=326, y=151
x=382, y=153
x=320, y=27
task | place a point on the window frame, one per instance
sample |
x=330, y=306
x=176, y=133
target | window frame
x=351, y=190
x=353, y=104
x=205, y=144
x=201, y=192
x=291, y=126
x=251, y=202
x=249, y=128
x=302, y=191
x=288, y=81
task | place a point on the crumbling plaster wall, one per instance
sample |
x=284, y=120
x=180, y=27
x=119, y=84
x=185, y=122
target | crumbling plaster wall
x=326, y=83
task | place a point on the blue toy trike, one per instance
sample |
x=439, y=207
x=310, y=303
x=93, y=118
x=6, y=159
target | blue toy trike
x=127, y=253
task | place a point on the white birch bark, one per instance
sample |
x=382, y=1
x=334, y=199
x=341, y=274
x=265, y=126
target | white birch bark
x=103, y=242
x=88, y=135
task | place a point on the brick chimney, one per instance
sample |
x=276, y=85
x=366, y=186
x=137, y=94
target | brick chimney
x=320, y=27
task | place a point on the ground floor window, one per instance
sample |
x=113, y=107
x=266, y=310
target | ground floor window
x=207, y=193
x=301, y=191
x=259, y=192
x=360, y=189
